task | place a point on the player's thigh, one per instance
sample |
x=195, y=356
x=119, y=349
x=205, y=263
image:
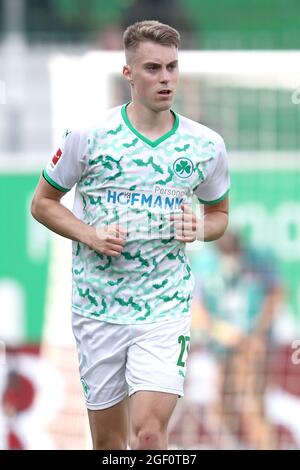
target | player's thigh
x=109, y=426
x=157, y=358
x=102, y=350
x=151, y=409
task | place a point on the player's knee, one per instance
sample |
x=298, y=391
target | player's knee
x=149, y=437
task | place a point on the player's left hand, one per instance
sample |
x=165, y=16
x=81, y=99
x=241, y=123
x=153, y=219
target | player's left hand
x=186, y=224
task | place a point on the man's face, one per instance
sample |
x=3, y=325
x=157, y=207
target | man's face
x=153, y=73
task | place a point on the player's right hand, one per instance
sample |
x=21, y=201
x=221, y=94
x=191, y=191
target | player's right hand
x=108, y=240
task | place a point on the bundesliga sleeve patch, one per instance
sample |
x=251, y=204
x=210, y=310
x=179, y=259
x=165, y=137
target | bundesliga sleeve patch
x=56, y=158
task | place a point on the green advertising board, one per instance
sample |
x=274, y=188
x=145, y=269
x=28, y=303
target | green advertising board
x=24, y=260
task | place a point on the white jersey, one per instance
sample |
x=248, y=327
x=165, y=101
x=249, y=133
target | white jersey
x=123, y=177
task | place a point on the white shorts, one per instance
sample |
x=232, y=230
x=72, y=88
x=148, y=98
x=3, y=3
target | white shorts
x=116, y=361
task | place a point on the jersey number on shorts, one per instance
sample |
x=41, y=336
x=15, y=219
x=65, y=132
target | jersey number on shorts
x=184, y=341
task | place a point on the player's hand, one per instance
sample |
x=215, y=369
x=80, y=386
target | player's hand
x=186, y=225
x=108, y=240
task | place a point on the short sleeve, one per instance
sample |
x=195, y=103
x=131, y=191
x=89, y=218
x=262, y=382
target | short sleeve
x=216, y=185
x=66, y=167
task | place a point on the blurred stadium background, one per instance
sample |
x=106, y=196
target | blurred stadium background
x=240, y=76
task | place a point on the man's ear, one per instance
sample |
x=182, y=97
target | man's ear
x=127, y=74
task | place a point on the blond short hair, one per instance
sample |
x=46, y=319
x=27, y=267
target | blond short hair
x=150, y=30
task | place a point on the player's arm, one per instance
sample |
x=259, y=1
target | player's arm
x=214, y=222
x=211, y=227
x=46, y=208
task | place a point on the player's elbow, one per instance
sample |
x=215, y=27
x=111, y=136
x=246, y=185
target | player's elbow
x=35, y=208
x=222, y=227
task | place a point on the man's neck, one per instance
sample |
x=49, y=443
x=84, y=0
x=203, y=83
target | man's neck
x=150, y=123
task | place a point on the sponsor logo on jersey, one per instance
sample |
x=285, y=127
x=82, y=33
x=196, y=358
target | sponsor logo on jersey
x=183, y=167
x=161, y=199
x=56, y=158
x=171, y=191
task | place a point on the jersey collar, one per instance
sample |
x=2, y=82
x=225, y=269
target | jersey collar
x=152, y=143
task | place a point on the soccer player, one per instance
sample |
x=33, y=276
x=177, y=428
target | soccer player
x=135, y=173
